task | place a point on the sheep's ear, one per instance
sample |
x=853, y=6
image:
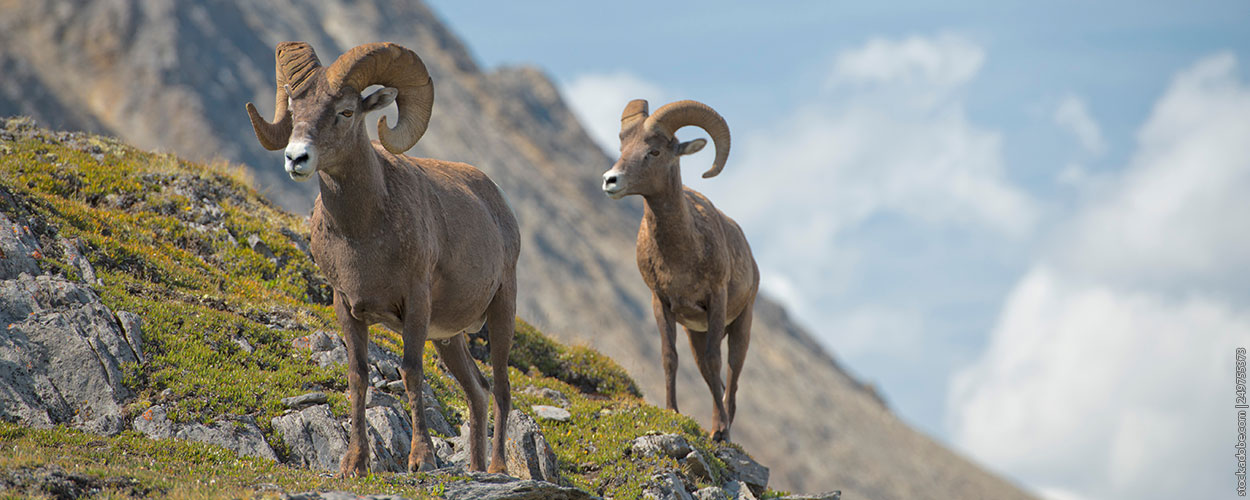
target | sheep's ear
x=692, y=147
x=380, y=99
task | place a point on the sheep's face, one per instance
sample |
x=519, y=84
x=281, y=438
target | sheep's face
x=323, y=123
x=648, y=163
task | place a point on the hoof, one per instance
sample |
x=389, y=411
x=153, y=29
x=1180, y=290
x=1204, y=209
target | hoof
x=720, y=436
x=353, y=467
x=497, y=469
x=421, y=464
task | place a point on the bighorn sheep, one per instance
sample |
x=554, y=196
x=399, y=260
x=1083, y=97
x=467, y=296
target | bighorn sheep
x=694, y=258
x=427, y=248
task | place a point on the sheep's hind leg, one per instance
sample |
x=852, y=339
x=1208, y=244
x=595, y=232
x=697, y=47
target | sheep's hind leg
x=500, y=326
x=739, y=333
x=455, y=354
x=356, y=336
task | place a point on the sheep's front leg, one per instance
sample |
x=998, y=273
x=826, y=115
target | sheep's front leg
x=356, y=336
x=706, y=347
x=416, y=324
x=667, y=324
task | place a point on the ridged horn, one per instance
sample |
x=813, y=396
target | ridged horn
x=389, y=65
x=634, y=111
x=675, y=115
x=295, y=64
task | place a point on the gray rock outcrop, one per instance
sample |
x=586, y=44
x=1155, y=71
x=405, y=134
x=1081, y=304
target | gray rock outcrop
x=240, y=435
x=314, y=438
x=61, y=349
x=528, y=454
x=484, y=486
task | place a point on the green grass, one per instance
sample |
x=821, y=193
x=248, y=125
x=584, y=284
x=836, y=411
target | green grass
x=200, y=291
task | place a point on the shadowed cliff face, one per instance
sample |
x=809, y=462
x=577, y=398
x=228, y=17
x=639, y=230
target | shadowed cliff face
x=175, y=76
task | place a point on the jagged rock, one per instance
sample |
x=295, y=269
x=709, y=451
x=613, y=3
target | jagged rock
x=338, y=495
x=312, y=398
x=132, y=325
x=443, y=451
x=315, y=438
x=697, y=465
x=738, y=490
x=258, y=245
x=828, y=495
x=17, y=250
x=552, y=413
x=711, y=493
x=528, y=454
x=244, y=345
x=669, y=445
x=555, y=396
x=73, y=255
x=390, y=438
x=483, y=486
x=744, y=468
x=241, y=435
x=60, y=354
x=666, y=485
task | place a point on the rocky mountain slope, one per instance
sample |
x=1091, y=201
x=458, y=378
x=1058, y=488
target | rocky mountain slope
x=157, y=304
x=175, y=76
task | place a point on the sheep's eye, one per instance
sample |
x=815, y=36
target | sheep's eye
x=347, y=113
x=654, y=152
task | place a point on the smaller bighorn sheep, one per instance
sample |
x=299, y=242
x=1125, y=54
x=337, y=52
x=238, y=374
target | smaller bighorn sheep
x=694, y=258
x=427, y=248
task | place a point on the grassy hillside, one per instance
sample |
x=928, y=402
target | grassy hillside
x=223, y=282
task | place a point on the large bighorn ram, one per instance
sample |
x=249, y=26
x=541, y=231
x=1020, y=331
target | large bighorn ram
x=427, y=248
x=694, y=258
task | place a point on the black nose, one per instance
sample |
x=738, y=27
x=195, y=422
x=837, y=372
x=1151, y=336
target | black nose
x=610, y=180
x=303, y=157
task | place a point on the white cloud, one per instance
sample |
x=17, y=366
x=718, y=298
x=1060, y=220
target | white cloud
x=1109, y=373
x=1073, y=115
x=597, y=100
x=946, y=60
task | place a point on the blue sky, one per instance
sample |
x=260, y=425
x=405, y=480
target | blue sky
x=1026, y=222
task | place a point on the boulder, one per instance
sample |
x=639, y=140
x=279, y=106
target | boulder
x=738, y=490
x=666, y=485
x=483, y=486
x=744, y=468
x=240, y=435
x=527, y=452
x=390, y=438
x=828, y=495
x=309, y=399
x=551, y=413
x=314, y=438
x=711, y=493
x=555, y=396
x=665, y=445
x=697, y=465
x=61, y=351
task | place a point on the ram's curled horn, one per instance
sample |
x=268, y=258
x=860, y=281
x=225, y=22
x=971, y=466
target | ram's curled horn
x=673, y=116
x=389, y=65
x=295, y=65
x=634, y=111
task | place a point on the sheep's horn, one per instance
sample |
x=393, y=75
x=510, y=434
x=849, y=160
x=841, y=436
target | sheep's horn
x=675, y=115
x=389, y=65
x=634, y=111
x=295, y=64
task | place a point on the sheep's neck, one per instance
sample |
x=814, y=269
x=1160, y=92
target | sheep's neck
x=668, y=214
x=354, y=198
